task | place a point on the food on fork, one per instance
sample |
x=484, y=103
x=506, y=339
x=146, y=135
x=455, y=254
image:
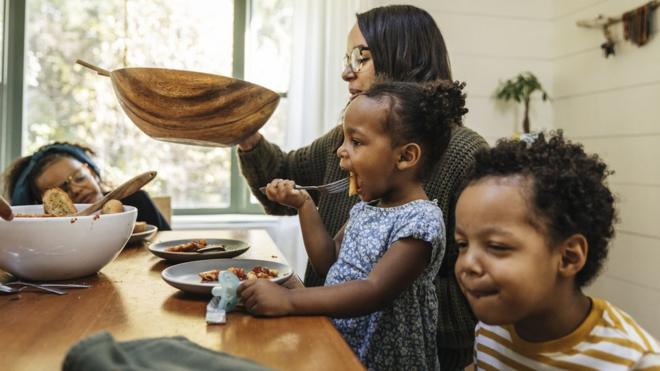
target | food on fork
x=112, y=207
x=139, y=227
x=58, y=203
x=256, y=272
x=352, y=184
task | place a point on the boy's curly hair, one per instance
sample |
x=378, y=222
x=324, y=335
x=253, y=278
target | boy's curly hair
x=424, y=113
x=566, y=191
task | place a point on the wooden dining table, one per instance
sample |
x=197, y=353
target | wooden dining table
x=130, y=300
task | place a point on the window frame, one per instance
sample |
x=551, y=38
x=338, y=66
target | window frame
x=12, y=105
x=11, y=92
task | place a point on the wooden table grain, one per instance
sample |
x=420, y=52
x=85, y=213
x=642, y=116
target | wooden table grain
x=130, y=300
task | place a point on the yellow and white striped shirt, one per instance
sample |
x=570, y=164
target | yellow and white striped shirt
x=608, y=339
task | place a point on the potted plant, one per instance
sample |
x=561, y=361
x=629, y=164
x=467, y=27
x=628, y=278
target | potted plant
x=520, y=89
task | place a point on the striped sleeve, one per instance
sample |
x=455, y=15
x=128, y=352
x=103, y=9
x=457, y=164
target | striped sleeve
x=609, y=339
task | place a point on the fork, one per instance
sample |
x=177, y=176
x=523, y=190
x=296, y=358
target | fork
x=334, y=187
x=69, y=285
x=11, y=290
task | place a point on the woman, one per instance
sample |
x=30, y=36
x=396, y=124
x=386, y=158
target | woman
x=71, y=168
x=401, y=43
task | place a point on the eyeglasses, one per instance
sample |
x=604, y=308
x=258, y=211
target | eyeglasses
x=355, y=60
x=78, y=178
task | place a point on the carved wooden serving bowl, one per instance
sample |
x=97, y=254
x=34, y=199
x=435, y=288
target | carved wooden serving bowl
x=191, y=107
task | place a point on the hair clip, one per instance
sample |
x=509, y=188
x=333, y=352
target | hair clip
x=529, y=138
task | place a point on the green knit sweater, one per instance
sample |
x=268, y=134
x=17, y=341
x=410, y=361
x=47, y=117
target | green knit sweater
x=318, y=164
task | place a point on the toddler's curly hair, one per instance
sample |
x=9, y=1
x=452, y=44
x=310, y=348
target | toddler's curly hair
x=565, y=189
x=423, y=113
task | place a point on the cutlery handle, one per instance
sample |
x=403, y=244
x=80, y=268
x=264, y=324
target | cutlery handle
x=126, y=189
x=66, y=285
x=52, y=290
x=70, y=285
x=308, y=188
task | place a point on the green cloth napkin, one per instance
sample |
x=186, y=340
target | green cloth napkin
x=101, y=352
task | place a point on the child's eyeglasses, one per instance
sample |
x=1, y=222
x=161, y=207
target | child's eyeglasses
x=355, y=59
x=78, y=178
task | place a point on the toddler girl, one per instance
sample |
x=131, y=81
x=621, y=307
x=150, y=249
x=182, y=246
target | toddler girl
x=380, y=267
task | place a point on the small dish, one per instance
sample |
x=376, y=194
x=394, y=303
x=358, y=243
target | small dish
x=232, y=248
x=148, y=233
x=185, y=276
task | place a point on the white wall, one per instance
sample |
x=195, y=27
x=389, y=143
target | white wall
x=611, y=105
x=491, y=41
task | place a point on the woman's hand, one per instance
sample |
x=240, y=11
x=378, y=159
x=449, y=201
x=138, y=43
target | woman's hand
x=282, y=191
x=249, y=142
x=265, y=298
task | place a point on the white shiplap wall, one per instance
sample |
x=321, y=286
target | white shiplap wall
x=611, y=105
x=491, y=41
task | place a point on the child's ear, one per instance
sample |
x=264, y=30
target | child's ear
x=409, y=156
x=574, y=252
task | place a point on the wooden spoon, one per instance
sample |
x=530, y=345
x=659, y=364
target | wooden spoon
x=6, y=212
x=126, y=189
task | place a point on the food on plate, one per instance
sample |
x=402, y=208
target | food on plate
x=58, y=203
x=112, y=207
x=192, y=246
x=139, y=227
x=352, y=184
x=256, y=272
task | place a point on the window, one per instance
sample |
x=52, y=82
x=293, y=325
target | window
x=13, y=15
x=65, y=102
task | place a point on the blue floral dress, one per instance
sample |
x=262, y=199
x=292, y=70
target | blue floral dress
x=402, y=335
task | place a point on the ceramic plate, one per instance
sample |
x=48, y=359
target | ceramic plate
x=185, y=276
x=144, y=235
x=232, y=248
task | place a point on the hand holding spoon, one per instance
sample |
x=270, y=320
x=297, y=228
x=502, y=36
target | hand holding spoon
x=126, y=189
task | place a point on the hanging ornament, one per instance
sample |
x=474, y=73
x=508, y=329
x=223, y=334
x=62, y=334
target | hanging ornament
x=637, y=26
x=637, y=23
x=608, y=45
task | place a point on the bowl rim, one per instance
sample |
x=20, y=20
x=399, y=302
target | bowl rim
x=127, y=210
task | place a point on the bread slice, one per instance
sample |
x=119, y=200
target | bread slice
x=112, y=207
x=139, y=227
x=58, y=203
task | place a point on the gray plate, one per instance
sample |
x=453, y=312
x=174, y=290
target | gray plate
x=184, y=276
x=144, y=235
x=232, y=248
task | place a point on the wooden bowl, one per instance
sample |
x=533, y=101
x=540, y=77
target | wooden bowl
x=191, y=107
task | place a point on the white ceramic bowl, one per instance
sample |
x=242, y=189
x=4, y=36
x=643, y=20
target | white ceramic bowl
x=46, y=249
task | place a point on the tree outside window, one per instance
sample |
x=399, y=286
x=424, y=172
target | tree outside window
x=65, y=102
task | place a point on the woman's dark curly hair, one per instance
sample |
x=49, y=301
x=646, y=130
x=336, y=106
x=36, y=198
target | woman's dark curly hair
x=566, y=190
x=421, y=113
